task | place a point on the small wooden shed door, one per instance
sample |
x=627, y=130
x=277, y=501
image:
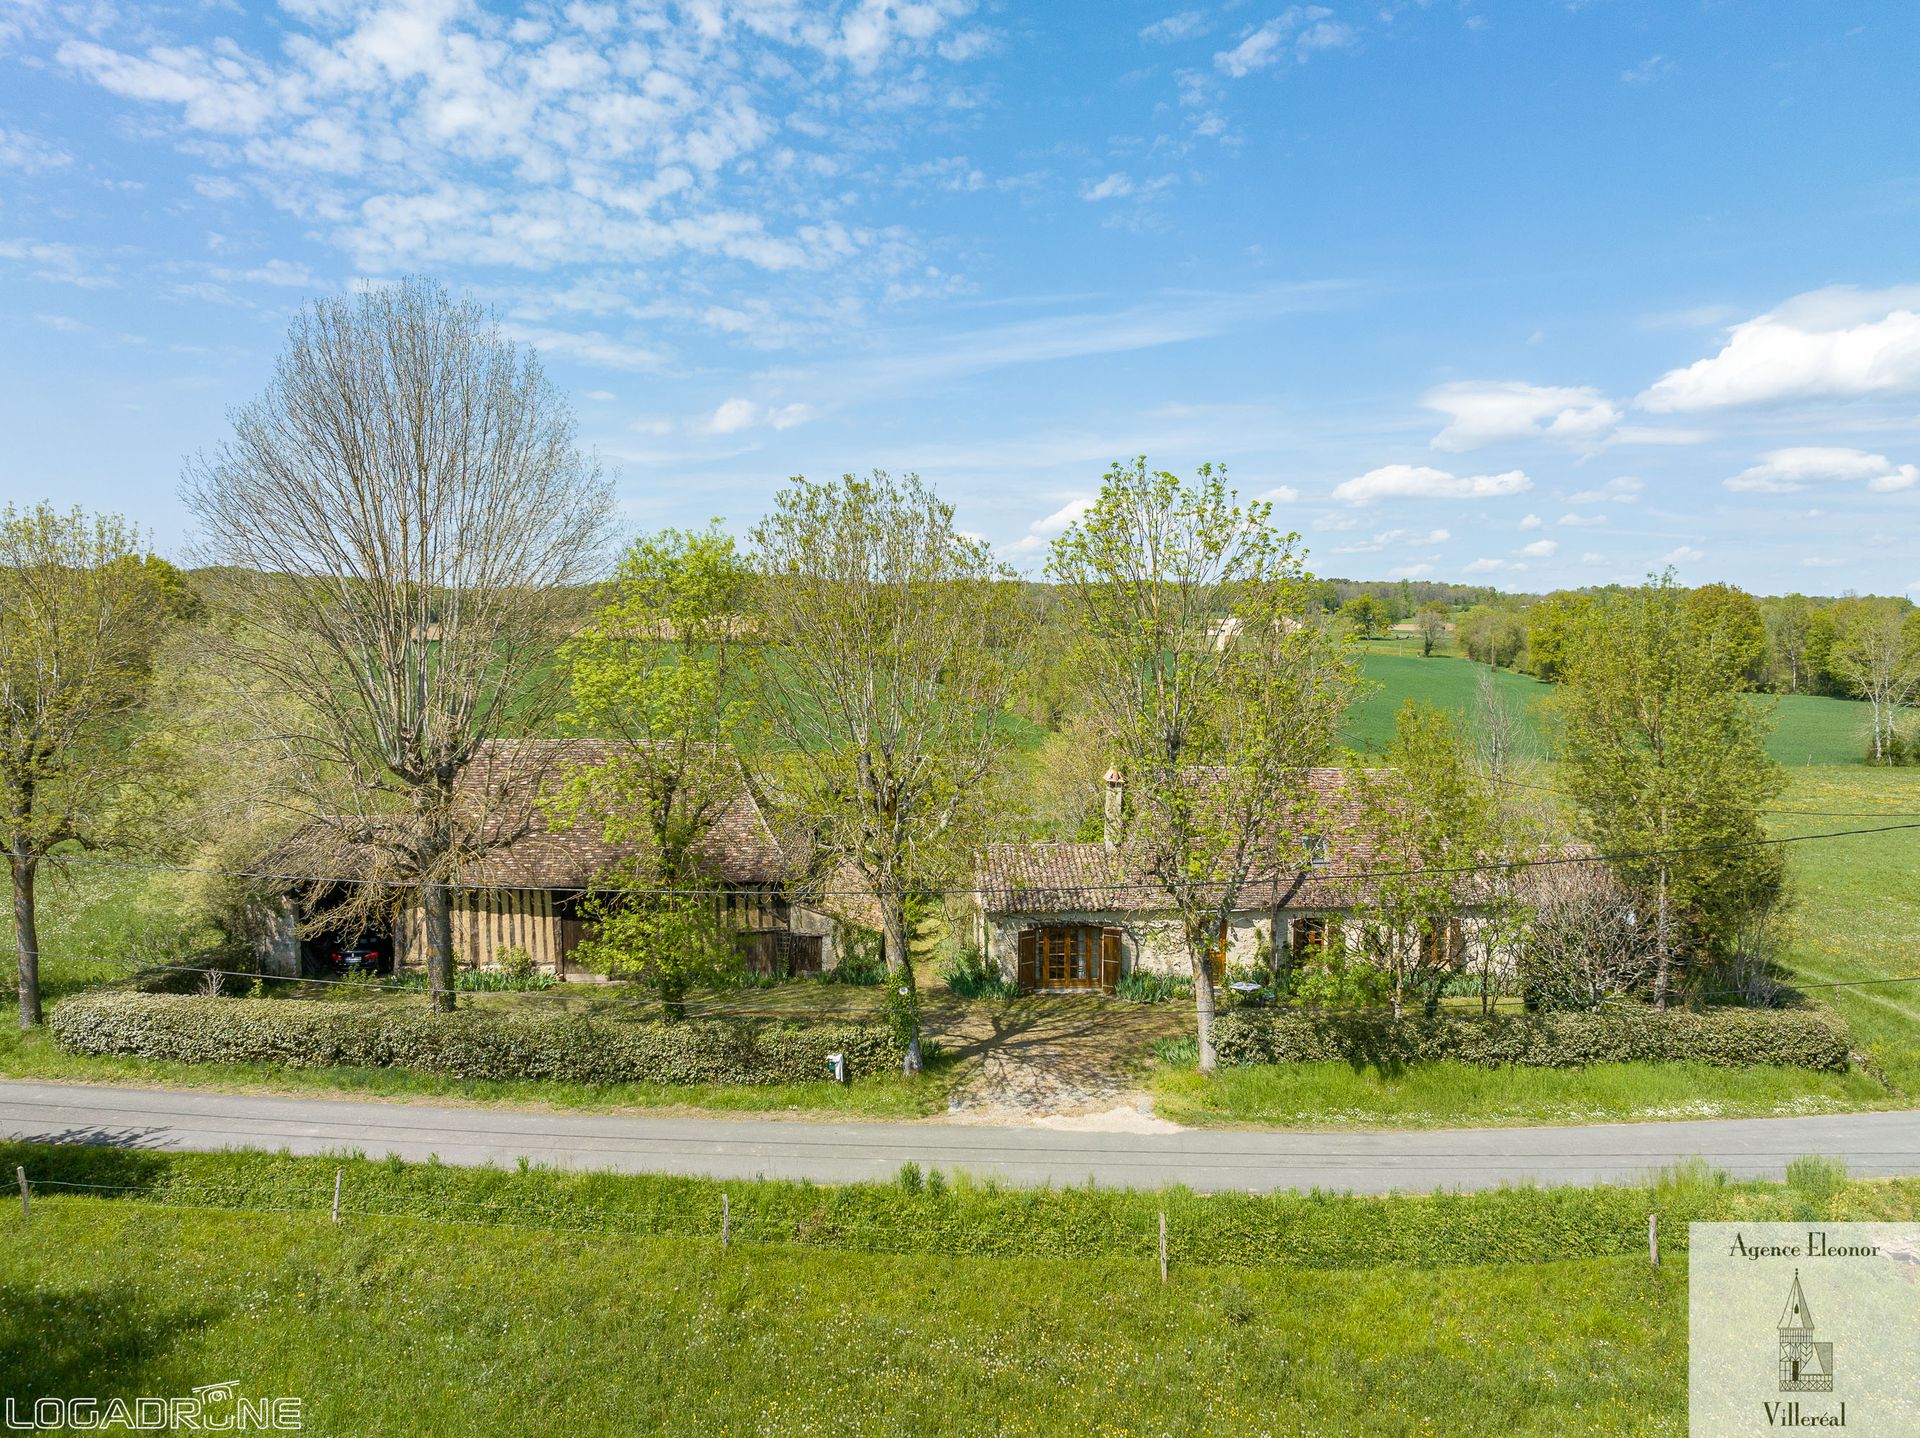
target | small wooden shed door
x=1109, y=959
x=1028, y=974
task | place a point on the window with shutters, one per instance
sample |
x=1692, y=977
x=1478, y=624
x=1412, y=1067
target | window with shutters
x=1443, y=945
x=1307, y=937
x=1069, y=956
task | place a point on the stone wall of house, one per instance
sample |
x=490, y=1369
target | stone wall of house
x=1152, y=943
x=1149, y=943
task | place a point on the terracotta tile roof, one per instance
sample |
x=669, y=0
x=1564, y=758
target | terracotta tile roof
x=498, y=794
x=1041, y=878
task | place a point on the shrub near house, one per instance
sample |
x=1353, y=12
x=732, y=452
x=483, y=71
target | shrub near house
x=468, y=1044
x=1724, y=1038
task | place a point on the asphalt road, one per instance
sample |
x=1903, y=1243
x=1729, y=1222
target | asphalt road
x=1871, y=1143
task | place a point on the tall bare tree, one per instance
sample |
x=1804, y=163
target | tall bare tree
x=892, y=642
x=398, y=519
x=1215, y=738
x=79, y=611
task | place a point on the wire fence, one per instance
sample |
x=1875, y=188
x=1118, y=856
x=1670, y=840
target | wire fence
x=1139, y=1232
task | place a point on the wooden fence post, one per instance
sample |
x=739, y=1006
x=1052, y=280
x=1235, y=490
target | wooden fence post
x=726, y=1219
x=1653, y=1239
x=338, y=1174
x=21, y=1174
x=1163, y=1245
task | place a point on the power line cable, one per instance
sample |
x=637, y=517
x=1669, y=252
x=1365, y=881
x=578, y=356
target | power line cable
x=1146, y=887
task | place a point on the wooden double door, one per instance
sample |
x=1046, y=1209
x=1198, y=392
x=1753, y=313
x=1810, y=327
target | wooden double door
x=1069, y=956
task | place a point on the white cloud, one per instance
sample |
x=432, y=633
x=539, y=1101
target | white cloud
x=735, y=414
x=1183, y=25
x=1654, y=67
x=1787, y=471
x=1593, y=556
x=1282, y=494
x=1582, y=521
x=56, y=263
x=1041, y=531
x=1540, y=549
x=1414, y=481
x=1486, y=566
x=1298, y=30
x=1685, y=554
x=217, y=187
x=674, y=145
x=1410, y=571
x=1840, y=342
x=1486, y=411
x=588, y=347
x=1394, y=536
x=1114, y=187
x=1532, y=521
x=1624, y=490
x=28, y=154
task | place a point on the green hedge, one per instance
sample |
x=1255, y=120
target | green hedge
x=1726, y=1038
x=960, y=1217
x=470, y=1044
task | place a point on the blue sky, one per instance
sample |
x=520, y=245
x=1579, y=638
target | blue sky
x=1536, y=294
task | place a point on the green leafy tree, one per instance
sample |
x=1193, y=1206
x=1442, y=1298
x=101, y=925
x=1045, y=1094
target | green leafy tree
x=1743, y=627
x=1428, y=814
x=1554, y=625
x=1491, y=635
x=79, y=612
x=892, y=645
x=666, y=944
x=656, y=674
x=1367, y=615
x=1667, y=767
x=1215, y=739
x=1790, y=639
x=1434, y=618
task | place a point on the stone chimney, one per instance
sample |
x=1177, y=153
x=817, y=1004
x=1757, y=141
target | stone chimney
x=1116, y=809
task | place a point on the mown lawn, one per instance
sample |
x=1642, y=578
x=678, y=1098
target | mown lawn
x=1445, y=1095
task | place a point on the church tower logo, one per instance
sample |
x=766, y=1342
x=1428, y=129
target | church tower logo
x=1805, y=1366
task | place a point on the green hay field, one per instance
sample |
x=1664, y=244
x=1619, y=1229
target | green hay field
x=1807, y=730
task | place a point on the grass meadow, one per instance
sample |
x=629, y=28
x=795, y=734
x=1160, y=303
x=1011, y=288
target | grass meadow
x=1807, y=729
x=453, y=1301
x=411, y=1327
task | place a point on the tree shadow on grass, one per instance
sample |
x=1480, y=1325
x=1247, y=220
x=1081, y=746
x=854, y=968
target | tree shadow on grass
x=94, y=1342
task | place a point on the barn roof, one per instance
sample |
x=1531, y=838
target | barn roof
x=499, y=797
